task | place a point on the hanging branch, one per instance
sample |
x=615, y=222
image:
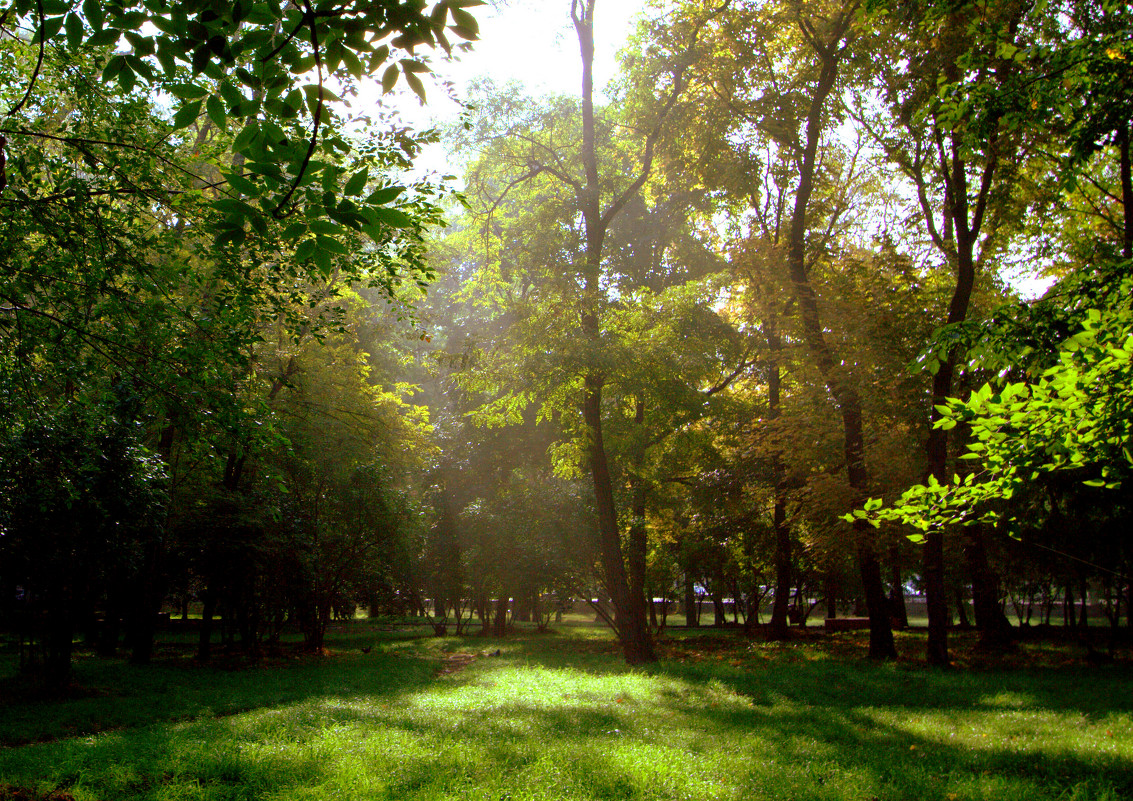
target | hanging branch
x=309, y=18
x=290, y=37
x=78, y=142
x=38, y=61
x=654, y=136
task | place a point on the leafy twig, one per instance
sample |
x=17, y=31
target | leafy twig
x=309, y=17
x=38, y=61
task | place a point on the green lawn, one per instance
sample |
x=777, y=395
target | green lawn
x=558, y=717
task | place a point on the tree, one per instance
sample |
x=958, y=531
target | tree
x=957, y=97
x=791, y=113
x=1071, y=416
x=566, y=158
x=1020, y=65
x=80, y=506
x=177, y=181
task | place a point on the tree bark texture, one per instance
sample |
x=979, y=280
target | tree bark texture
x=897, y=611
x=1126, y=169
x=838, y=382
x=780, y=625
x=630, y=619
x=995, y=628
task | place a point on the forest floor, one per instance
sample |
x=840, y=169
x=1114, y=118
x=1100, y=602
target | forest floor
x=558, y=716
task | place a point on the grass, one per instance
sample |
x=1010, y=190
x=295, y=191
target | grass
x=559, y=717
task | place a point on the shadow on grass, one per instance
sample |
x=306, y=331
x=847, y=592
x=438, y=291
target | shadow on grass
x=559, y=717
x=110, y=694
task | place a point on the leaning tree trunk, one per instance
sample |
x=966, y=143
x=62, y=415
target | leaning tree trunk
x=897, y=611
x=638, y=546
x=994, y=627
x=838, y=383
x=780, y=625
x=1126, y=171
x=630, y=619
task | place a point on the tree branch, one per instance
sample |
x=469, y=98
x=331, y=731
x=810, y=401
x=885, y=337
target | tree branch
x=308, y=17
x=38, y=61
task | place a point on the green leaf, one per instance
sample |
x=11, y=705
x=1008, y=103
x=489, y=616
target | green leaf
x=324, y=262
x=230, y=94
x=389, y=78
x=294, y=231
x=230, y=236
x=143, y=45
x=416, y=85
x=126, y=78
x=357, y=182
x=113, y=67
x=52, y=26
x=242, y=184
x=330, y=245
x=201, y=57
x=353, y=63
x=215, y=109
x=380, y=197
x=260, y=223
x=245, y=137
x=186, y=91
x=465, y=22
x=186, y=115
x=104, y=38
x=140, y=67
x=305, y=250
x=75, y=31
x=92, y=10
x=167, y=59
x=393, y=218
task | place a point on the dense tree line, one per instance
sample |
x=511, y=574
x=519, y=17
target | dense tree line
x=743, y=327
x=746, y=287
x=198, y=237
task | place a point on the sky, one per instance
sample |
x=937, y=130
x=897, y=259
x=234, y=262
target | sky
x=531, y=42
x=534, y=42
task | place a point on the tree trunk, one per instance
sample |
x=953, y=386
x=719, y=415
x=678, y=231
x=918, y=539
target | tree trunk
x=995, y=629
x=58, y=645
x=204, y=641
x=692, y=611
x=936, y=448
x=897, y=611
x=961, y=606
x=832, y=369
x=151, y=592
x=780, y=625
x=638, y=545
x=499, y=622
x=719, y=618
x=630, y=620
x=110, y=631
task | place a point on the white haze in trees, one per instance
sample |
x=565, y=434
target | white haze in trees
x=532, y=43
